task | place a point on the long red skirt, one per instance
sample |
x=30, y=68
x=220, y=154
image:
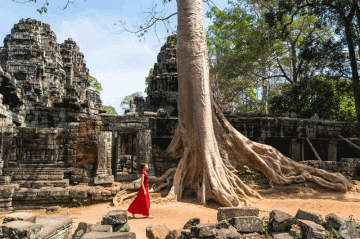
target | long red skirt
x=141, y=204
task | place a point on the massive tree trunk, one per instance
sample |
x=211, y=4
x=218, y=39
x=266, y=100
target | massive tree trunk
x=212, y=152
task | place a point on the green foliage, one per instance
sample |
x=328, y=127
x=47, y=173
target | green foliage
x=334, y=234
x=223, y=216
x=14, y=209
x=329, y=97
x=95, y=84
x=110, y=110
x=44, y=88
x=147, y=79
x=125, y=103
x=264, y=230
x=79, y=204
x=352, y=220
x=248, y=171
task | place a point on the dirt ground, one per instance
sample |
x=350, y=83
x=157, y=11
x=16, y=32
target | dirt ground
x=176, y=214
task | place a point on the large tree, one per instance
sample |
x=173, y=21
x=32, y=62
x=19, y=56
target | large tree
x=212, y=152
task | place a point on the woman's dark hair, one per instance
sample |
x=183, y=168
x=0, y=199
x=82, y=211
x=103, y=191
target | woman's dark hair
x=142, y=166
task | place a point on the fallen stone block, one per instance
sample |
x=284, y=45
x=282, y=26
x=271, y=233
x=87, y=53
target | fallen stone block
x=225, y=213
x=53, y=209
x=192, y=222
x=281, y=235
x=115, y=217
x=20, y=216
x=185, y=234
x=109, y=235
x=173, y=234
x=295, y=233
x=227, y=233
x=101, y=228
x=20, y=229
x=223, y=224
x=311, y=229
x=309, y=215
x=124, y=227
x=280, y=221
x=203, y=230
x=254, y=235
x=82, y=229
x=55, y=226
x=334, y=221
x=157, y=230
x=348, y=231
x=104, y=179
x=247, y=224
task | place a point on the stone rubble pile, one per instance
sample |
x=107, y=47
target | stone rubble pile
x=114, y=225
x=244, y=222
x=28, y=226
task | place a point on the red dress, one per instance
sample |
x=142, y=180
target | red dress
x=141, y=204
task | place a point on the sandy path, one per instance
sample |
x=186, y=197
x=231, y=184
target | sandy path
x=176, y=214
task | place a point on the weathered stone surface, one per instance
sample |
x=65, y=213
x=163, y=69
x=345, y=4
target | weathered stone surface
x=55, y=226
x=223, y=224
x=20, y=216
x=115, y=217
x=254, y=235
x=227, y=233
x=109, y=235
x=53, y=209
x=82, y=229
x=173, y=234
x=311, y=229
x=157, y=231
x=348, y=231
x=185, y=234
x=20, y=229
x=247, y=224
x=124, y=227
x=280, y=221
x=281, y=235
x=334, y=221
x=295, y=233
x=309, y=215
x=192, y=222
x=229, y=212
x=101, y=228
x=203, y=230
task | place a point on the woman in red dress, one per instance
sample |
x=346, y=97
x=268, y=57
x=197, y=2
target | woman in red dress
x=141, y=204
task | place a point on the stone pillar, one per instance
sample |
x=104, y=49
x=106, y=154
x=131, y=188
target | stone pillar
x=103, y=171
x=143, y=150
x=294, y=150
x=332, y=150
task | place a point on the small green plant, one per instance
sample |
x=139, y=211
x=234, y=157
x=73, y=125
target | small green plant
x=264, y=230
x=298, y=236
x=45, y=90
x=352, y=220
x=223, y=216
x=248, y=171
x=79, y=204
x=14, y=209
x=334, y=234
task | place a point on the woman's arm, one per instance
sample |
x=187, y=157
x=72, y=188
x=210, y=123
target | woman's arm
x=142, y=183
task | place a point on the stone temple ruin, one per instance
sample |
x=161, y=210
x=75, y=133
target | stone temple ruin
x=56, y=139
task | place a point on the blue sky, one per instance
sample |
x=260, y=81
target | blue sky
x=117, y=59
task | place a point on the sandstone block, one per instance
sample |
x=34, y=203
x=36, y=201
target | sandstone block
x=311, y=229
x=157, y=231
x=109, y=235
x=280, y=221
x=203, y=230
x=348, y=231
x=309, y=215
x=223, y=224
x=192, y=222
x=281, y=235
x=254, y=235
x=53, y=209
x=295, y=233
x=55, y=226
x=20, y=229
x=115, y=217
x=82, y=229
x=173, y=234
x=124, y=227
x=101, y=228
x=229, y=212
x=104, y=179
x=185, y=234
x=227, y=233
x=247, y=224
x=20, y=216
x=334, y=221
